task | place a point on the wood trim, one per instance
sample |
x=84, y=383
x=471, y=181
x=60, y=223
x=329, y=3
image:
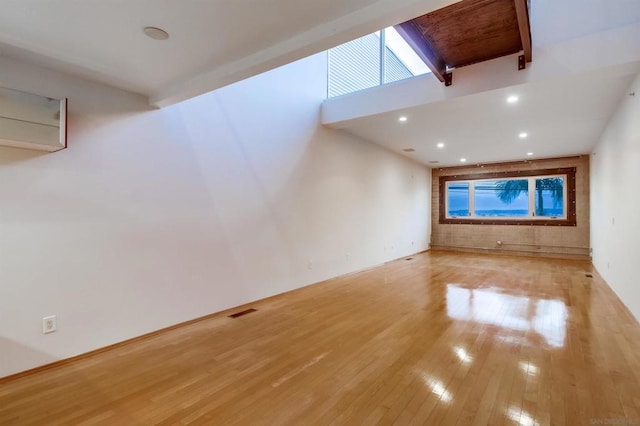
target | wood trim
x=510, y=173
x=624, y=307
x=66, y=122
x=522, y=12
x=511, y=163
x=108, y=348
x=224, y=313
x=215, y=375
x=571, y=219
x=413, y=35
x=518, y=253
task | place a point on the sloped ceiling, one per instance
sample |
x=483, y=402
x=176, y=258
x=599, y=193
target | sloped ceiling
x=216, y=42
x=212, y=43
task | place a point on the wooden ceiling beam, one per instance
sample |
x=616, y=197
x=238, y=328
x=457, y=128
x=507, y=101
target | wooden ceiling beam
x=415, y=38
x=522, y=11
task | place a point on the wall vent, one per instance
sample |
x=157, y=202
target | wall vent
x=241, y=313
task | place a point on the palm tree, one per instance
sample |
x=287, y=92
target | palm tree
x=554, y=186
x=509, y=190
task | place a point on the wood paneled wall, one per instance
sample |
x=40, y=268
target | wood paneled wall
x=557, y=241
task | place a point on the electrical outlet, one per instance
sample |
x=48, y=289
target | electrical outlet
x=49, y=324
x=310, y=264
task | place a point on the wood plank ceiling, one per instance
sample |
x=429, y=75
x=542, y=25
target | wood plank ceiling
x=469, y=32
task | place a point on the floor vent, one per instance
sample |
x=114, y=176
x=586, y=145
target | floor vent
x=241, y=313
x=409, y=258
x=588, y=275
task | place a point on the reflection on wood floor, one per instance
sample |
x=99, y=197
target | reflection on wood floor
x=444, y=338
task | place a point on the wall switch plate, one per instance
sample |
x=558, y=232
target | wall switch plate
x=49, y=324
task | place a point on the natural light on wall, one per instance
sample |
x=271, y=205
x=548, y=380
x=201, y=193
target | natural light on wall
x=375, y=59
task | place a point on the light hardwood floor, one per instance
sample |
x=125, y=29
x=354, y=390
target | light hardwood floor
x=445, y=338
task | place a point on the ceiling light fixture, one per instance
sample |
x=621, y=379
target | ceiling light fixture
x=155, y=33
x=529, y=154
x=463, y=160
x=523, y=135
x=512, y=99
x=402, y=119
x=440, y=145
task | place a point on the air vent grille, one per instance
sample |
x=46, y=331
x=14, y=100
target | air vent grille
x=241, y=313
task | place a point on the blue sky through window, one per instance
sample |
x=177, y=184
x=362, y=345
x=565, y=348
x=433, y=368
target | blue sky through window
x=458, y=194
x=487, y=200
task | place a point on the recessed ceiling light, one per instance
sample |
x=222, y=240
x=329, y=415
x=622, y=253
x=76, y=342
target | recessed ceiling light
x=402, y=119
x=523, y=135
x=529, y=154
x=512, y=99
x=156, y=33
x=463, y=160
x=440, y=145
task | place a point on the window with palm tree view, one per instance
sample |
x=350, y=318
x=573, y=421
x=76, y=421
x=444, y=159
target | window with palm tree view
x=531, y=197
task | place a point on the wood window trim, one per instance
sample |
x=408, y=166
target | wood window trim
x=570, y=172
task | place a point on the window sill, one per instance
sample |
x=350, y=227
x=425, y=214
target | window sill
x=517, y=222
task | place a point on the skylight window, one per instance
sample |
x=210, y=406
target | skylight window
x=404, y=52
x=375, y=59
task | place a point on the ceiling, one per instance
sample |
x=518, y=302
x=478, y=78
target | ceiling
x=212, y=42
x=563, y=116
x=472, y=31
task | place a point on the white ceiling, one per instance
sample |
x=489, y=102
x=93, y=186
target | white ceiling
x=563, y=116
x=218, y=42
x=554, y=21
x=212, y=42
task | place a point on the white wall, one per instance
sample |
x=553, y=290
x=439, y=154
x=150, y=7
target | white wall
x=154, y=217
x=615, y=204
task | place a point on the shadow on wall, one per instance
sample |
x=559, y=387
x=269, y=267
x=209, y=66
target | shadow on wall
x=11, y=350
x=17, y=155
x=33, y=406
